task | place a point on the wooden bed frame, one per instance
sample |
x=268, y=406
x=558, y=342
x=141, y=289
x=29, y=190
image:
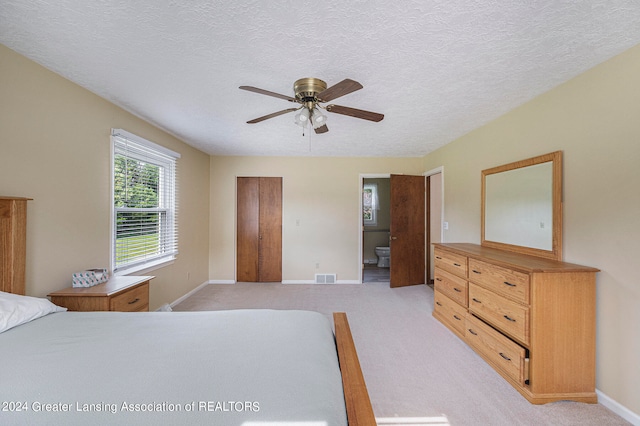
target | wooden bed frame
x=359, y=410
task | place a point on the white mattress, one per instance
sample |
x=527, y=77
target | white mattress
x=243, y=367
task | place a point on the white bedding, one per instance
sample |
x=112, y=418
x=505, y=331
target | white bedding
x=243, y=367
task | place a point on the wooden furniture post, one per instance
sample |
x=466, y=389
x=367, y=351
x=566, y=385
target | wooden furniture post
x=13, y=243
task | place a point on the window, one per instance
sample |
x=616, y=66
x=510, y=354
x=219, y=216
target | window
x=144, y=203
x=370, y=204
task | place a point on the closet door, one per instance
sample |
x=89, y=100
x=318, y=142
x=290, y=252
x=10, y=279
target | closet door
x=259, y=229
x=248, y=215
x=270, y=236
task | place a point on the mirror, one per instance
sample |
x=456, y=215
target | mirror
x=522, y=206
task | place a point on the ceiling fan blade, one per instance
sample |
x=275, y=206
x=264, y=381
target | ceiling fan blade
x=268, y=93
x=345, y=87
x=357, y=113
x=275, y=114
x=321, y=129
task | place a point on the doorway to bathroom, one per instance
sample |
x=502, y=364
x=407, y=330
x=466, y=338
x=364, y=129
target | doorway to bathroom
x=393, y=229
x=425, y=223
x=376, y=223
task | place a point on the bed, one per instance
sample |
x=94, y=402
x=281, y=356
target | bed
x=239, y=367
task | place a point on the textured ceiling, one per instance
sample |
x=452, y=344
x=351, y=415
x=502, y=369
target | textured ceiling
x=437, y=69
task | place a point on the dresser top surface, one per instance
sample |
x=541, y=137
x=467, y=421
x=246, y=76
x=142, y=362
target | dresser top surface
x=513, y=260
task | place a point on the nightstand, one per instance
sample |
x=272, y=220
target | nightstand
x=122, y=293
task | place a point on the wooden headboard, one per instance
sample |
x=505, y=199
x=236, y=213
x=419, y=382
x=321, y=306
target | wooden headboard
x=13, y=243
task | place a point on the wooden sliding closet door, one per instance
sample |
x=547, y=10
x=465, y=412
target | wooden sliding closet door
x=259, y=236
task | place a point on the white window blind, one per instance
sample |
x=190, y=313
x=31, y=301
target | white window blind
x=144, y=203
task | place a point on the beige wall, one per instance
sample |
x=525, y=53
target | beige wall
x=321, y=211
x=595, y=120
x=55, y=148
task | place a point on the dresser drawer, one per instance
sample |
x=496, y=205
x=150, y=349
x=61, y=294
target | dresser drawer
x=451, y=285
x=506, y=282
x=136, y=299
x=510, y=317
x=450, y=311
x=497, y=349
x=451, y=262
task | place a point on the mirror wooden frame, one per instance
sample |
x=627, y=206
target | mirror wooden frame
x=556, y=243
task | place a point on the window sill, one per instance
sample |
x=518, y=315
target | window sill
x=147, y=267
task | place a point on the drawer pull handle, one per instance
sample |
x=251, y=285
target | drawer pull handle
x=438, y=279
x=509, y=318
x=472, y=332
x=457, y=317
x=438, y=257
x=505, y=357
x=136, y=300
x=509, y=284
x=476, y=272
x=456, y=264
x=476, y=300
x=457, y=289
x=438, y=303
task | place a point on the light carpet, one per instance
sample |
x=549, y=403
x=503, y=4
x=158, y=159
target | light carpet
x=417, y=371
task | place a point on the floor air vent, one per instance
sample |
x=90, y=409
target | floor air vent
x=325, y=278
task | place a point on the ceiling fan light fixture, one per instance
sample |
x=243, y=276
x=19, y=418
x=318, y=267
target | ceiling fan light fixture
x=303, y=115
x=318, y=118
x=302, y=118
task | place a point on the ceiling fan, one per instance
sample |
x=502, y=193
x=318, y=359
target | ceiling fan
x=310, y=93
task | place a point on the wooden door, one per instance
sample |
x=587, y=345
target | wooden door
x=259, y=229
x=270, y=237
x=407, y=230
x=248, y=229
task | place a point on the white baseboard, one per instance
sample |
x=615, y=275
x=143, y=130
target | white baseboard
x=181, y=298
x=221, y=282
x=313, y=282
x=618, y=408
x=283, y=282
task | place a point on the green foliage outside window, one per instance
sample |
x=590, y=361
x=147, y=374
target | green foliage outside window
x=136, y=185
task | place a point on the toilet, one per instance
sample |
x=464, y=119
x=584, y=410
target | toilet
x=383, y=254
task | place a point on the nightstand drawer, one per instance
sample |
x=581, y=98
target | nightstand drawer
x=120, y=293
x=136, y=299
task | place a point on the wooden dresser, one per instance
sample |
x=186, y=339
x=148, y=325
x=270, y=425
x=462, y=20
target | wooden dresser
x=126, y=294
x=532, y=319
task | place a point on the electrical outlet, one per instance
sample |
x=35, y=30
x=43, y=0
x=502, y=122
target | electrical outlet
x=445, y=226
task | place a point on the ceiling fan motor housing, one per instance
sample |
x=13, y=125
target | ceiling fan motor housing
x=306, y=89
